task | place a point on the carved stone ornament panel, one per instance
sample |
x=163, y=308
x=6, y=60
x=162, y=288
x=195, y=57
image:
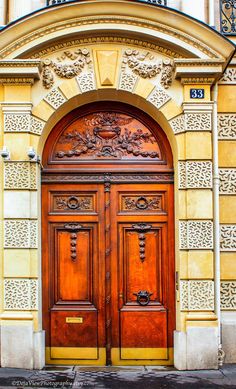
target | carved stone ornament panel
x=20, y=233
x=127, y=81
x=17, y=122
x=158, y=97
x=20, y=294
x=37, y=126
x=145, y=65
x=196, y=235
x=20, y=175
x=198, y=121
x=69, y=65
x=229, y=76
x=228, y=237
x=23, y=122
x=227, y=181
x=228, y=295
x=106, y=135
x=195, y=174
x=197, y=295
x=86, y=82
x=226, y=126
x=55, y=98
x=178, y=124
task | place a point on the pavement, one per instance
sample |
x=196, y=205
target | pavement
x=145, y=377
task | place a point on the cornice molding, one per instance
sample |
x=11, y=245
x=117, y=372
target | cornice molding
x=19, y=72
x=98, y=20
x=192, y=71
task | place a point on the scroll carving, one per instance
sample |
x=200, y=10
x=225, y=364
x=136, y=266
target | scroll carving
x=65, y=70
x=142, y=229
x=106, y=135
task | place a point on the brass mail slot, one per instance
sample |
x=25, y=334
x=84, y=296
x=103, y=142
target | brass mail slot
x=77, y=320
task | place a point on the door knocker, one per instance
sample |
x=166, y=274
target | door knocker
x=143, y=297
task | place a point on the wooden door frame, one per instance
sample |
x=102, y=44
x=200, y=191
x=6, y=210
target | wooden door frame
x=123, y=173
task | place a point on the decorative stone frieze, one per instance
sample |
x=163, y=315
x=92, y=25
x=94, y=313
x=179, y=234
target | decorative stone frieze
x=86, y=82
x=22, y=233
x=195, y=174
x=227, y=181
x=178, y=124
x=55, y=98
x=229, y=76
x=197, y=295
x=196, y=235
x=228, y=295
x=228, y=237
x=20, y=175
x=198, y=121
x=158, y=97
x=127, y=81
x=226, y=126
x=20, y=294
x=78, y=59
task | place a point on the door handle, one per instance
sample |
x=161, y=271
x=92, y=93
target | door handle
x=143, y=297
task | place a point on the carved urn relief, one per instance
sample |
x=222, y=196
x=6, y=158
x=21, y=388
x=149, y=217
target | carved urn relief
x=106, y=135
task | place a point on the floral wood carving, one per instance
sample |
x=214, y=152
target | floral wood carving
x=106, y=135
x=73, y=203
x=65, y=70
x=140, y=203
x=145, y=66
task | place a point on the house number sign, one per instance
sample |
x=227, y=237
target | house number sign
x=197, y=93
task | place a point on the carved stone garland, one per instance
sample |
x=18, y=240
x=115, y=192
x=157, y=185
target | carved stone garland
x=145, y=66
x=65, y=70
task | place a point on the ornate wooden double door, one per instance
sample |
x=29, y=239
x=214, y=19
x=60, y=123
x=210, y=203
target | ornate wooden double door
x=108, y=248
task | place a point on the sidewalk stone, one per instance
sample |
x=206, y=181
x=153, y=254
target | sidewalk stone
x=130, y=377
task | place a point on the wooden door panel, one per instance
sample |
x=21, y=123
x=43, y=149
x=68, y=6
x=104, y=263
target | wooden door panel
x=75, y=251
x=74, y=328
x=144, y=334
x=142, y=258
x=141, y=222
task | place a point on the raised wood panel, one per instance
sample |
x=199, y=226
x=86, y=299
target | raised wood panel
x=64, y=334
x=142, y=273
x=143, y=329
x=73, y=273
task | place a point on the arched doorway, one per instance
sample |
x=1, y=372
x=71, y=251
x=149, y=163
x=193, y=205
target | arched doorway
x=108, y=238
